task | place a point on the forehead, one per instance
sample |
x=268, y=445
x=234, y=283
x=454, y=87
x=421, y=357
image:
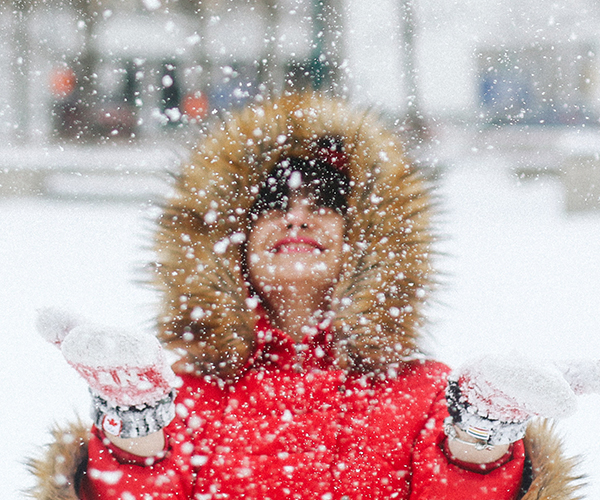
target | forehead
x=315, y=180
x=299, y=200
x=286, y=180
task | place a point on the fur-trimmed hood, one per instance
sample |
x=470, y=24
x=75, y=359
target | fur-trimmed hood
x=56, y=471
x=386, y=274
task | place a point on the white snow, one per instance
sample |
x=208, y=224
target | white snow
x=100, y=346
x=77, y=257
x=522, y=275
x=583, y=375
x=511, y=387
x=54, y=324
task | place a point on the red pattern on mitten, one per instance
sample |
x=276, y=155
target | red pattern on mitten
x=124, y=368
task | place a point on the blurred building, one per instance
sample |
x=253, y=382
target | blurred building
x=133, y=69
x=538, y=84
x=129, y=69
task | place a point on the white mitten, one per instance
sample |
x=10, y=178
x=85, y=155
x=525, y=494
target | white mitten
x=583, y=375
x=492, y=397
x=130, y=380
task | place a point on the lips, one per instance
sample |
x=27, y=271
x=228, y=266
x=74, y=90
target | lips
x=297, y=244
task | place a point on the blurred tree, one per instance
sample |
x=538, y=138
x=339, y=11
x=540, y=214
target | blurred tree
x=324, y=61
x=414, y=123
x=268, y=60
x=327, y=41
x=88, y=11
x=21, y=10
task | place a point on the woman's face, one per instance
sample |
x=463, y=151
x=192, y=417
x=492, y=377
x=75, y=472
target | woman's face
x=299, y=246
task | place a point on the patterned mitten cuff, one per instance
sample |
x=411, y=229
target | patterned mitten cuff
x=133, y=421
x=488, y=432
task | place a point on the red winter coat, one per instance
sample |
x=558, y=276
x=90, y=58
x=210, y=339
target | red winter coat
x=255, y=418
x=292, y=426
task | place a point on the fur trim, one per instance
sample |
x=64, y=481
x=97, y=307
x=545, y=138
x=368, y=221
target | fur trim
x=378, y=299
x=56, y=470
x=554, y=475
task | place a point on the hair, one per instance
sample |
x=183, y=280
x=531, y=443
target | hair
x=328, y=185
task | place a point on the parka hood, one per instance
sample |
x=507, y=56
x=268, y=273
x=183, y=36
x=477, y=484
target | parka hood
x=208, y=317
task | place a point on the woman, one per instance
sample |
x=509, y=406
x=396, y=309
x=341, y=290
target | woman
x=294, y=264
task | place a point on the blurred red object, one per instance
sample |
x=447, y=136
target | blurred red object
x=62, y=82
x=195, y=105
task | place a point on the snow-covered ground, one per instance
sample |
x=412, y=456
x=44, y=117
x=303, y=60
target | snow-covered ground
x=521, y=274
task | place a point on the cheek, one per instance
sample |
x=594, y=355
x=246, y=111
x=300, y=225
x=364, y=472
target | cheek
x=336, y=231
x=258, y=259
x=254, y=268
x=252, y=259
x=253, y=241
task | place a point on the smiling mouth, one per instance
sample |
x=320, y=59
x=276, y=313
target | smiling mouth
x=297, y=245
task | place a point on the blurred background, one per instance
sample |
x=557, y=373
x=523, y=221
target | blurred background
x=138, y=77
x=498, y=101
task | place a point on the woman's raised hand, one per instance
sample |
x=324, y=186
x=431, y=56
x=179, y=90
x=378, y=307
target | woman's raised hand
x=131, y=382
x=492, y=397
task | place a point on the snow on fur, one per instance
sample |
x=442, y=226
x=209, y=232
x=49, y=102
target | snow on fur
x=377, y=303
x=514, y=388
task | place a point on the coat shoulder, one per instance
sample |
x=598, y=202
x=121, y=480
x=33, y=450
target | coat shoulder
x=554, y=475
x=56, y=468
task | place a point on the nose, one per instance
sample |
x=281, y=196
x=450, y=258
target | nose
x=298, y=214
